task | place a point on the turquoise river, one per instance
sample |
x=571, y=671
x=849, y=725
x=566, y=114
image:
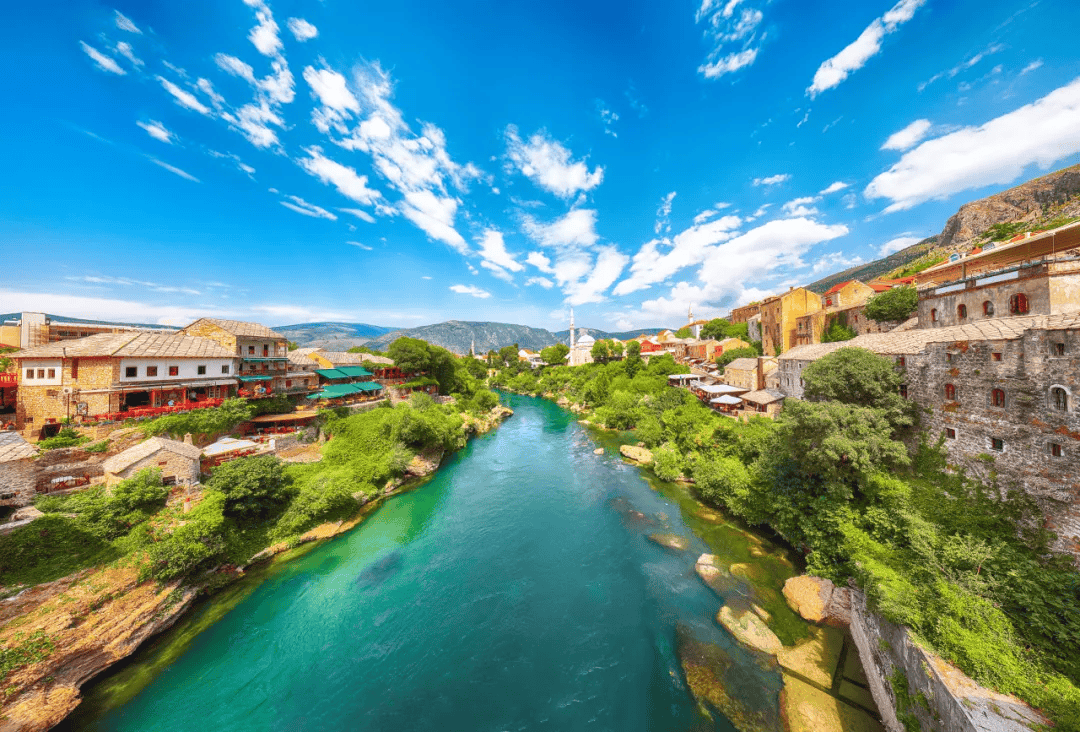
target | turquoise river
x=516, y=589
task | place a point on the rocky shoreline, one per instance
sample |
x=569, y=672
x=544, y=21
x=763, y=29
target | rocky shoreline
x=70, y=630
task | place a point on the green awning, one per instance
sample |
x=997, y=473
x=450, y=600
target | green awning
x=255, y=378
x=354, y=371
x=331, y=374
x=367, y=386
x=335, y=391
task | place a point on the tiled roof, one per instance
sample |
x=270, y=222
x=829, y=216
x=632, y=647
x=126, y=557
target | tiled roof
x=242, y=328
x=901, y=342
x=302, y=356
x=143, y=450
x=837, y=288
x=130, y=345
x=344, y=358
x=14, y=447
x=765, y=396
x=743, y=364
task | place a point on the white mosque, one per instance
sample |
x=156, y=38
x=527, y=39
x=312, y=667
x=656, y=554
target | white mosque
x=580, y=350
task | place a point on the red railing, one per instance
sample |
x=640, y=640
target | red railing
x=8, y=380
x=143, y=412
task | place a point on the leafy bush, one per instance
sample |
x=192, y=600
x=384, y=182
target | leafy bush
x=212, y=421
x=102, y=446
x=892, y=305
x=667, y=462
x=66, y=437
x=253, y=486
x=328, y=498
x=193, y=544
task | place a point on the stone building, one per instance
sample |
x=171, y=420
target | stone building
x=743, y=314
x=779, y=315
x=112, y=372
x=263, y=353
x=1003, y=392
x=18, y=473
x=749, y=373
x=29, y=330
x=753, y=328
x=177, y=461
x=846, y=294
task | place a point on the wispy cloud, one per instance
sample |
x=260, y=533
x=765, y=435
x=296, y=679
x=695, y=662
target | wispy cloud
x=156, y=130
x=549, y=165
x=301, y=206
x=174, y=170
x=470, y=290
x=124, y=49
x=835, y=70
x=542, y=281
x=894, y=245
x=908, y=137
x=495, y=257
x=607, y=117
x=1033, y=66
x=183, y=98
x=302, y=30
x=773, y=180
x=834, y=187
x=105, y=63
x=964, y=65
x=663, y=214
x=359, y=213
x=357, y=244
x=124, y=23
x=732, y=28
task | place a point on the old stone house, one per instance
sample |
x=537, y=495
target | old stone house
x=745, y=373
x=846, y=294
x=177, y=461
x=743, y=314
x=764, y=402
x=111, y=372
x=779, y=315
x=18, y=473
x=263, y=354
x=1002, y=392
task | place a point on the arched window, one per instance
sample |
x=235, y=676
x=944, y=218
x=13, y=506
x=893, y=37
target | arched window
x=997, y=398
x=950, y=392
x=988, y=308
x=933, y=315
x=961, y=311
x=1059, y=398
x=1018, y=304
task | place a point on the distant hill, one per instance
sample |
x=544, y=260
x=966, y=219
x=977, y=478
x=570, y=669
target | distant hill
x=458, y=336
x=331, y=336
x=890, y=265
x=66, y=319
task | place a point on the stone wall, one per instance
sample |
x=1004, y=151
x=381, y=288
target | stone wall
x=938, y=695
x=174, y=468
x=18, y=481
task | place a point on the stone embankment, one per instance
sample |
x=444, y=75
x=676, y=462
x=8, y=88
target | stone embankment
x=906, y=680
x=70, y=630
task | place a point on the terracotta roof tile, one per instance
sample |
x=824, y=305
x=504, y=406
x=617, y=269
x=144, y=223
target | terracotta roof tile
x=242, y=328
x=14, y=447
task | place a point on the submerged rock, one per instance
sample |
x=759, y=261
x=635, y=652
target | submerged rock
x=716, y=577
x=750, y=572
x=819, y=600
x=749, y=629
x=809, y=709
x=598, y=451
x=671, y=541
x=637, y=454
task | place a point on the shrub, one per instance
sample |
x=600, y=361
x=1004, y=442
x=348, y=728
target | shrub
x=191, y=545
x=892, y=305
x=667, y=463
x=327, y=498
x=67, y=437
x=252, y=486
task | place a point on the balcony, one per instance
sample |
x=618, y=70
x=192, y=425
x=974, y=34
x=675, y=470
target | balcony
x=8, y=380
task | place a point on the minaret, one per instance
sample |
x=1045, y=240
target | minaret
x=472, y=348
x=572, y=343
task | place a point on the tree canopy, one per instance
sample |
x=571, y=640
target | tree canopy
x=895, y=304
x=858, y=377
x=605, y=350
x=721, y=328
x=555, y=355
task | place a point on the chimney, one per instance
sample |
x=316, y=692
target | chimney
x=188, y=440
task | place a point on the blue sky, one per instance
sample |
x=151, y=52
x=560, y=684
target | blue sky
x=408, y=163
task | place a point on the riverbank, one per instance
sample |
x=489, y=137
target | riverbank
x=59, y=635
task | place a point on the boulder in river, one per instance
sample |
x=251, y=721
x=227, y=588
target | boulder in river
x=637, y=454
x=671, y=541
x=819, y=600
x=598, y=451
x=749, y=629
x=716, y=577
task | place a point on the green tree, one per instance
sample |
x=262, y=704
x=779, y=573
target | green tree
x=291, y=345
x=555, y=355
x=633, y=363
x=896, y=304
x=411, y=355
x=601, y=351
x=476, y=368
x=862, y=378
x=683, y=332
x=252, y=486
x=838, y=330
x=509, y=354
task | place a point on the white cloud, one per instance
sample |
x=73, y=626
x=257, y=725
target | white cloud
x=576, y=229
x=124, y=23
x=345, y=179
x=663, y=214
x=995, y=153
x=609, y=265
x=302, y=30
x=470, y=290
x=799, y=206
x=105, y=63
x=833, y=188
x=493, y=252
x=733, y=34
x=834, y=262
x=548, y=164
x=909, y=136
x=184, y=98
x=253, y=122
x=964, y=65
x=235, y=66
x=1036, y=64
x=264, y=36
x=174, y=170
x=772, y=180
x=365, y=247
x=301, y=206
x=359, y=213
x=425, y=277
x=124, y=49
x=434, y=215
x=157, y=131
x=690, y=247
x=835, y=70
x=331, y=89
x=540, y=261
x=895, y=245
x=762, y=210
x=607, y=117
x=542, y=281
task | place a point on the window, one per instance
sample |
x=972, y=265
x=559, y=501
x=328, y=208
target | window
x=131, y=372
x=74, y=368
x=29, y=373
x=288, y=383
x=251, y=350
x=933, y=315
x=151, y=370
x=995, y=356
x=950, y=392
x=950, y=433
x=266, y=350
x=902, y=362
x=41, y=373
x=997, y=444
x=1018, y=304
x=174, y=371
x=961, y=311
x=225, y=369
x=988, y=308
x=1055, y=449
x=903, y=391
x=997, y=398
x=1058, y=349
x=1059, y=398
x=201, y=370
x=52, y=373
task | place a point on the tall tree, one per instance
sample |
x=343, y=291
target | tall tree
x=555, y=355
x=410, y=354
x=862, y=378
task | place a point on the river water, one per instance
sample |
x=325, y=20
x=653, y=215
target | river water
x=516, y=590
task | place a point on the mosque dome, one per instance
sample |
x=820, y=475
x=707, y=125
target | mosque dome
x=586, y=340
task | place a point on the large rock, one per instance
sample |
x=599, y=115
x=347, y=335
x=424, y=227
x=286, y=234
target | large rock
x=749, y=629
x=671, y=541
x=819, y=600
x=637, y=454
